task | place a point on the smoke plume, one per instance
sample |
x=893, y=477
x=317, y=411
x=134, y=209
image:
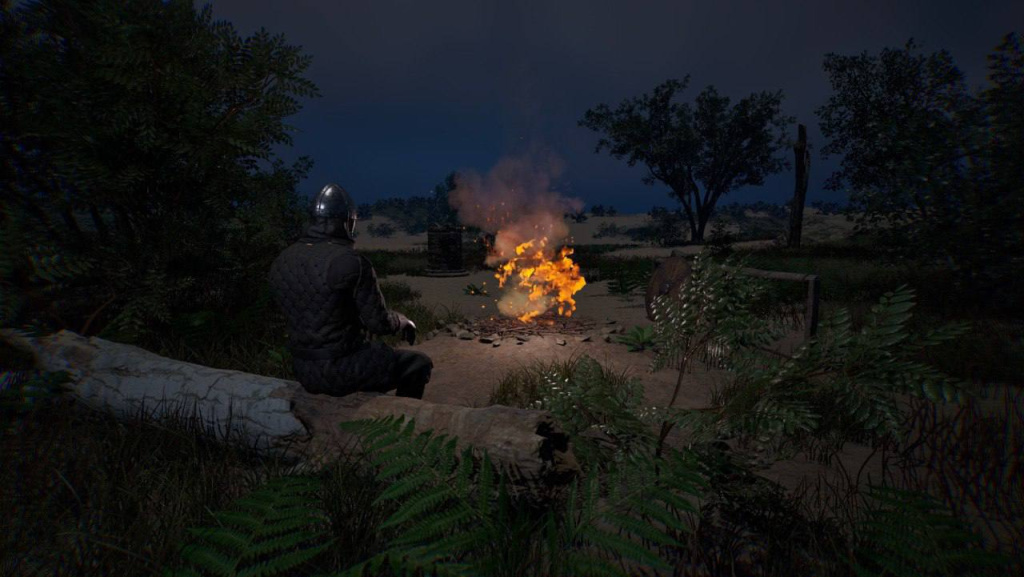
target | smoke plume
x=515, y=201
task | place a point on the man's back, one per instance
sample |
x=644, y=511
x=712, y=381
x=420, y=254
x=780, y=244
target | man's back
x=330, y=298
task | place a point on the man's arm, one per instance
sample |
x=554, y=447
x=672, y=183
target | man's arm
x=373, y=310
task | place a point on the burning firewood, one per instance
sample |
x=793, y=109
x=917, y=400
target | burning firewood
x=547, y=323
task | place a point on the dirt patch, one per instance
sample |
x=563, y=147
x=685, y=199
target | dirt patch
x=466, y=371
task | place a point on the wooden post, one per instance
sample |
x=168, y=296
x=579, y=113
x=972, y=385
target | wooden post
x=813, y=292
x=811, y=312
x=796, y=207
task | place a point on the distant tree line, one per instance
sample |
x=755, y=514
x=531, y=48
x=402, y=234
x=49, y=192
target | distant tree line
x=933, y=170
x=416, y=214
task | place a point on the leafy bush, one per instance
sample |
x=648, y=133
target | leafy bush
x=637, y=339
x=626, y=275
x=669, y=227
x=166, y=74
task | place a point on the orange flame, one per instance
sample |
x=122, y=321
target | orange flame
x=545, y=280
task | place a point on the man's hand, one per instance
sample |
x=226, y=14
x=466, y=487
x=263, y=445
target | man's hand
x=408, y=330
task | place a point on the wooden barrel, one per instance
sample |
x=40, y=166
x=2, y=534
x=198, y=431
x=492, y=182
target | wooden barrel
x=444, y=252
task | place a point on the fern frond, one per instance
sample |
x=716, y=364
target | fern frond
x=268, y=532
x=909, y=533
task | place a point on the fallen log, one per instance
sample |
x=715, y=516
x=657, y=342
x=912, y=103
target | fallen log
x=279, y=415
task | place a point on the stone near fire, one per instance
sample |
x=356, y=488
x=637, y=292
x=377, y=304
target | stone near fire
x=465, y=335
x=522, y=338
x=607, y=338
x=280, y=415
x=489, y=339
x=667, y=279
x=583, y=339
x=560, y=342
x=496, y=344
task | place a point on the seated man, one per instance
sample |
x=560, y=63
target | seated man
x=330, y=298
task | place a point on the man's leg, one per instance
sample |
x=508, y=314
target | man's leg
x=411, y=373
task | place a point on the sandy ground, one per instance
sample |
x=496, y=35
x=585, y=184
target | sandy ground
x=467, y=371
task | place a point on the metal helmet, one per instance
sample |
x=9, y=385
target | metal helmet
x=333, y=202
x=333, y=205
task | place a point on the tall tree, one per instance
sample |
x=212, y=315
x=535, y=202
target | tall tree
x=720, y=147
x=802, y=152
x=156, y=124
x=929, y=166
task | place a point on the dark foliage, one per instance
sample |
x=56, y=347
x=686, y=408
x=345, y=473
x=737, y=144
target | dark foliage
x=718, y=146
x=416, y=214
x=932, y=168
x=138, y=138
x=602, y=210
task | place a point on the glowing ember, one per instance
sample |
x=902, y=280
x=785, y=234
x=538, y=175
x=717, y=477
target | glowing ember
x=545, y=280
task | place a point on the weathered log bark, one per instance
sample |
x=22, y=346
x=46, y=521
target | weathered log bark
x=279, y=415
x=796, y=207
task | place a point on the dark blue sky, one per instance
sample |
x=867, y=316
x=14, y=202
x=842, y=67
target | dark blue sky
x=412, y=90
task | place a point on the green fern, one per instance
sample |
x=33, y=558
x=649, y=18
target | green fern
x=589, y=400
x=909, y=534
x=843, y=382
x=455, y=520
x=712, y=317
x=441, y=516
x=637, y=339
x=269, y=532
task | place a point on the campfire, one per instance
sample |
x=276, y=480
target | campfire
x=546, y=323
x=515, y=201
x=541, y=281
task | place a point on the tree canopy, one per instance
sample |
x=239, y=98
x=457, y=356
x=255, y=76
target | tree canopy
x=140, y=137
x=933, y=168
x=720, y=147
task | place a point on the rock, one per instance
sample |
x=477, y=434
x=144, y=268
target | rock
x=560, y=342
x=518, y=342
x=612, y=330
x=610, y=321
x=465, y=335
x=281, y=416
x=607, y=338
x=583, y=339
x=496, y=344
x=522, y=338
x=489, y=339
x=668, y=278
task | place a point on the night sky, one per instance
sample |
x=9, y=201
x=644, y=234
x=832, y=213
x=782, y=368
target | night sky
x=413, y=90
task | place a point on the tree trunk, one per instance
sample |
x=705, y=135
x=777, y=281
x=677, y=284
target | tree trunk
x=796, y=207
